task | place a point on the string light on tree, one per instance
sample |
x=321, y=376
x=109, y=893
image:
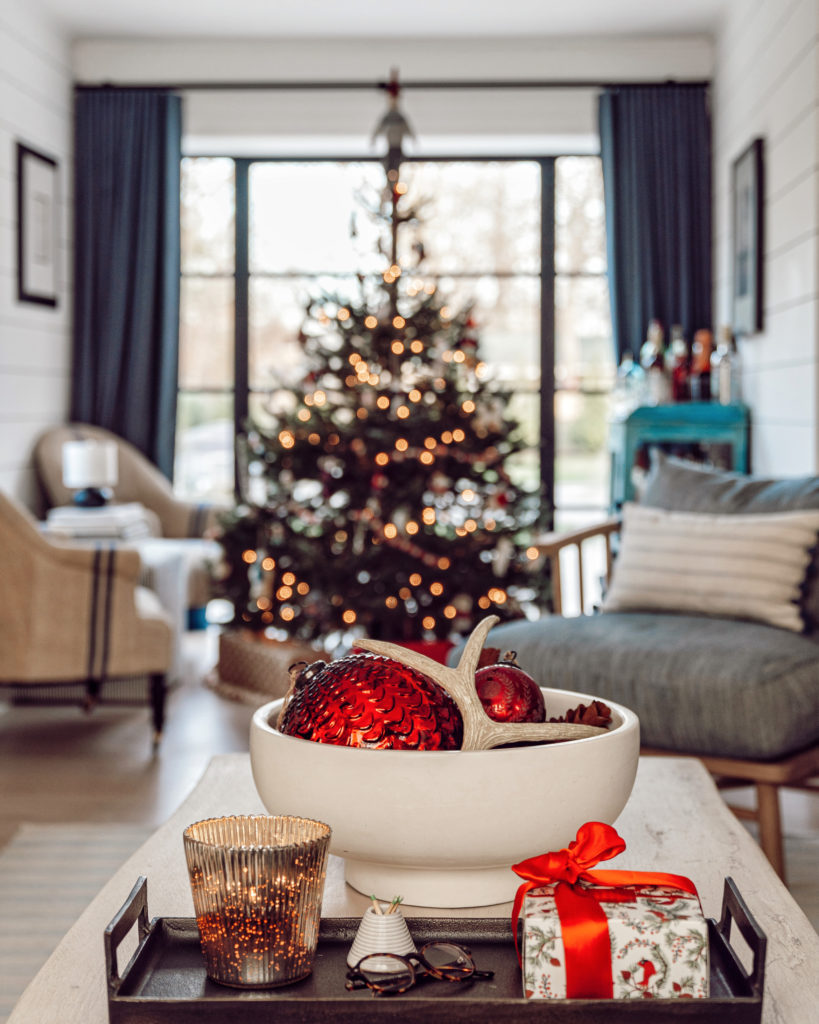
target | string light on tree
x=388, y=502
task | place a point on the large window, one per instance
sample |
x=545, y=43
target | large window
x=205, y=411
x=584, y=362
x=522, y=240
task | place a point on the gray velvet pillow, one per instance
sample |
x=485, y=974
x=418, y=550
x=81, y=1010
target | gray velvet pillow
x=688, y=487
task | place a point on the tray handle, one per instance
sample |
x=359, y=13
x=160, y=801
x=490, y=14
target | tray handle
x=734, y=908
x=133, y=911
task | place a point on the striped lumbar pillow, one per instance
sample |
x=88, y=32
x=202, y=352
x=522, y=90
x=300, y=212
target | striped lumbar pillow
x=731, y=566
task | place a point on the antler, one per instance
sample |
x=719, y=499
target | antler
x=480, y=731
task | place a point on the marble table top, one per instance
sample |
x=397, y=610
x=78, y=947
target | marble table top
x=675, y=821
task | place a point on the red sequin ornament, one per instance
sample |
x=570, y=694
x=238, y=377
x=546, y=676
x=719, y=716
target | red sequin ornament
x=367, y=701
x=509, y=694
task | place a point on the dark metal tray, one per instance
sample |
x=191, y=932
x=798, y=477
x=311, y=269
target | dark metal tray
x=165, y=981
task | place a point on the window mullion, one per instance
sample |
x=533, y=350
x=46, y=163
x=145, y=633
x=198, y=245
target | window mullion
x=547, y=340
x=241, y=326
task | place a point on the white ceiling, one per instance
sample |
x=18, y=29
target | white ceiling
x=377, y=18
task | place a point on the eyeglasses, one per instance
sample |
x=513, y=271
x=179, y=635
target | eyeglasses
x=387, y=974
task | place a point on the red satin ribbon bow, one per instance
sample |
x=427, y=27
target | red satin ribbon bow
x=584, y=924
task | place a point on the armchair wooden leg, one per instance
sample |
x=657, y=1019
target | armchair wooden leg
x=770, y=825
x=92, y=695
x=158, y=692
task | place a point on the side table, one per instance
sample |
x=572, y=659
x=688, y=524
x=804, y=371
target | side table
x=680, y=423
x=165, y=571
x=197, y=556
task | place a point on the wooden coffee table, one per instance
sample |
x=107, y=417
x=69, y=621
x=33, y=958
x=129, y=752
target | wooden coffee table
x=675, y=821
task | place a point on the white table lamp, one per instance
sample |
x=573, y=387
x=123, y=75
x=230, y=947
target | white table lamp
x=90, y=469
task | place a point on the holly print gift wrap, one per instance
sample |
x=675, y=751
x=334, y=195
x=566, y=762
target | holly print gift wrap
x=607, y=934
x=658, y=941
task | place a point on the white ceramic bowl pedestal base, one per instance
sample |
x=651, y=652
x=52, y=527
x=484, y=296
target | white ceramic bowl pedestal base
x=442, y=828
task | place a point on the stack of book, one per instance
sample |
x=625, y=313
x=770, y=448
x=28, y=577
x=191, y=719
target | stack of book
x=124, y=522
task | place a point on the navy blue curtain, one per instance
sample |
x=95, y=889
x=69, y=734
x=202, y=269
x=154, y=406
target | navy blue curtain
x=655, y=144
x=126, y=266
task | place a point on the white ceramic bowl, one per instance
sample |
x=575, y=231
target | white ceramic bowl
x=442, y=828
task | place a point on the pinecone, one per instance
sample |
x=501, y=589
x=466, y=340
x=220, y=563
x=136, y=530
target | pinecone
x=597, y=713
x=489, y=656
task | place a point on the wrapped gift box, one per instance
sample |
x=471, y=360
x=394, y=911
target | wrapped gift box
x=658, y=938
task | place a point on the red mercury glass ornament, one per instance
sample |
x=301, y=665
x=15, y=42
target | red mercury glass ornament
x=370, y=701
x=507, y=693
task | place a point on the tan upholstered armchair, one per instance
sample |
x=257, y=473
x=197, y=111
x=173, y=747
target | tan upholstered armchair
x=139, y=481
x=75, y=614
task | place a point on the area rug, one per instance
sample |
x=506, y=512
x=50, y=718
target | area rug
x=48, y=875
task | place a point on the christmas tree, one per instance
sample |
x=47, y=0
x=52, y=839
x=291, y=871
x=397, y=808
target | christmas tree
x=387, y=505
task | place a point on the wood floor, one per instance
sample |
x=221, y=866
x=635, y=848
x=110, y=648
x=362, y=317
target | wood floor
x=62, y=765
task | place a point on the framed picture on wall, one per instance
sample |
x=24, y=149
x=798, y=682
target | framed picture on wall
x=37, y=227
x=747, y=192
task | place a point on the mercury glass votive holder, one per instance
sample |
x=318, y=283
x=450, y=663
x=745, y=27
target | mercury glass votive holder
x=257, y=884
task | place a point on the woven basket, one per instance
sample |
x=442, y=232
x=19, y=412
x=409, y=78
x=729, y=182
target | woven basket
x=254, y=669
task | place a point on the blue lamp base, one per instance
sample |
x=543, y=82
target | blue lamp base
x=92, y=497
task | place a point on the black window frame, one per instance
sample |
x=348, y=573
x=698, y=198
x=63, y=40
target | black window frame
x=546, y=277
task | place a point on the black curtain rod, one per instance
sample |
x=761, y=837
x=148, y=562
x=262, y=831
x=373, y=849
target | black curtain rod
x=449, y=84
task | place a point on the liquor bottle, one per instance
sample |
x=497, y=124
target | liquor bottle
x=629, y=388
x=701, y=365
x=652, y=360
x=679, y=365
x=725, y=379
x=652, y=347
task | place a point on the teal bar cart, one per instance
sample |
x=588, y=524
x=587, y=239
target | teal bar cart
x=704, y=423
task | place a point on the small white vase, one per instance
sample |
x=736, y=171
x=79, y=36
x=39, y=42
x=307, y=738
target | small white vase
x=380, y=933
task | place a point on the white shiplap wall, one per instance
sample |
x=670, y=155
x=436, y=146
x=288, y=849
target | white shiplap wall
x=594, y=57
x=281, y=121
x=766, y=83
x=35, y=341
